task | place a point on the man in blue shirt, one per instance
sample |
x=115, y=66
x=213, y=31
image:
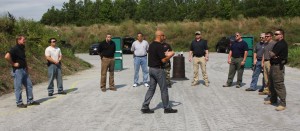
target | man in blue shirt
x=237, y=59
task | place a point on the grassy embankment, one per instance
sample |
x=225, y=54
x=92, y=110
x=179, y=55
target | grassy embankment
x=180, y=34
x=37, y=41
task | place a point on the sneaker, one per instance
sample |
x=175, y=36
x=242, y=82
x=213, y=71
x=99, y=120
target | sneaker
x=170, y=110
x=146, y=85
x=147, y=111
x=207, y=85
x=238, y=86
x=113, y=89
x=226, y=85
x=103, y=89
x=262, y=93
x=134, y=85
x=194, y=83
x=280, y=108
x=50, y=94
x=22, y=106
x=249, y=89
x=267, y=102
x=33, y=103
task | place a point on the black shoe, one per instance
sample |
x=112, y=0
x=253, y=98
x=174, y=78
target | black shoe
x=170, y=110
x=33, y=103
x=249, y=89
x=50, y=94
x=22, y=106
x=226, y=85
x=147, y=111
x=62, y=92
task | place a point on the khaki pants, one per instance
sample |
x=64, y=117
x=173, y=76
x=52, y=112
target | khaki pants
x=107, y=64
x=267, y=67
x=202, y=62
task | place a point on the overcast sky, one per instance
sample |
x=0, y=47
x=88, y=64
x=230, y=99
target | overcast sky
x=29, y=9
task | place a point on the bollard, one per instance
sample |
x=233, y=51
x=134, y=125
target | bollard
x=179, y=68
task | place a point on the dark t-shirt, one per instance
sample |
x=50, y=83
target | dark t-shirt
x=199, y=47
x=238, y=48
x=17, y=54
x=280, y=50
x=156, y=54
x=107, y=49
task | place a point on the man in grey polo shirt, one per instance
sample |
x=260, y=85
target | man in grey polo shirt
x=257, y=59
x=268, y=46
x=140, y=49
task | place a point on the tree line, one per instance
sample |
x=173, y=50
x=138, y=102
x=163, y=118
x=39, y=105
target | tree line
x=87, y=12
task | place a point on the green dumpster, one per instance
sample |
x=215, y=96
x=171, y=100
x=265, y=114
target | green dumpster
x=249, y=59
x=118, y=54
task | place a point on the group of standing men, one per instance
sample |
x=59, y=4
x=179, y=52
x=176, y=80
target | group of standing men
x=17, y=58
x=269, y=57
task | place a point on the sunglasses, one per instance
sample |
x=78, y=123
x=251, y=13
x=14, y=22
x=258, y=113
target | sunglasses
x=53, y=41
x=267, y=36
x=277, y=34
x=261, y=37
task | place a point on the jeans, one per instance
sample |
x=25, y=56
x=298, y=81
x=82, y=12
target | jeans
x=255, y=76
x=54, y=71
x=157, y=76
x=21, y=77
x=140, y=61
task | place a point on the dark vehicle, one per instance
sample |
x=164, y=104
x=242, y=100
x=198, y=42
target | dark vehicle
x=127, y=43
x=224, y=44
x=94, y=49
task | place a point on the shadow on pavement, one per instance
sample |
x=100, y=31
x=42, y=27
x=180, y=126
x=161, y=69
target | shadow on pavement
x=71, y=90
x=172, y=104
x=120, y=86
x=45, y=99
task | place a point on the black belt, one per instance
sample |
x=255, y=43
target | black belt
x=108, y=57
x=266, y=60
x=158, y=67
x=198, y=56
x=140, y=56
x=259, y=59
x=238, y=57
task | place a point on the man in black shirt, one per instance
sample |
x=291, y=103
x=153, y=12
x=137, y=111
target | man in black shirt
x=16, y=57
x=199, y=55
x=106, y=51
x=237, y=59
x=278, y=55
x=157, y=57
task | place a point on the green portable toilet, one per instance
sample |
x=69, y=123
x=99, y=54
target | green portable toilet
x=249, y=59
x=118, y=54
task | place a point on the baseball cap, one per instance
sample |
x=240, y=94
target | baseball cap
x=197, y=33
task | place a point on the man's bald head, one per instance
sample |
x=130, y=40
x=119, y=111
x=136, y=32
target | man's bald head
x=159, y=35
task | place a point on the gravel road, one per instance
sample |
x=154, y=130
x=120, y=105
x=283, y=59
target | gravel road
x=200, y=108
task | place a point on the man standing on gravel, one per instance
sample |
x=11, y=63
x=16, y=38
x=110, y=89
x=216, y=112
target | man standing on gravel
x=54, y=56
x=268, y=46
x=236, y=60
x=17, y=58
x=278, y=55
x=157, y=57
x=140, y=49
x=257, y=63
x=199, y=55
x=106, y=51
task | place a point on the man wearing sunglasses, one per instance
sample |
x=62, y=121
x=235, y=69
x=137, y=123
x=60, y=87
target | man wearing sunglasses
x=278, y=59
x=268, y=46
x=237, y=59
x=257, y=63
x=54, y=56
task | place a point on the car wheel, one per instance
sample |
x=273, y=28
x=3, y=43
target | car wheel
x=218, y=50
x=226, y=50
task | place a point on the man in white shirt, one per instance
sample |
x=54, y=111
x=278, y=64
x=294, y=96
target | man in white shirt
x=140, y=49
x=54, y=56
